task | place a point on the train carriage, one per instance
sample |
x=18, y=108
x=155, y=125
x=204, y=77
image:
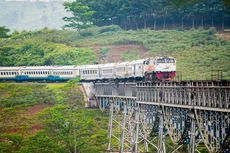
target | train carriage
x=107, y=71
x=121, y=70
x=89, y=72
x=154, y=68
x=9, y=73
x=63, y=73
x=137, y=68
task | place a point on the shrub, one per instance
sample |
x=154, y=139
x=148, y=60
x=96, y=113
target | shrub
x=111, y=28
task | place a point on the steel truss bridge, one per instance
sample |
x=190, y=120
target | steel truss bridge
x=183, y=116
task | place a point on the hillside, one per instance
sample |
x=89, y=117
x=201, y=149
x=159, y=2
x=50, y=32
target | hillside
x=197, y=51
x=48, y=118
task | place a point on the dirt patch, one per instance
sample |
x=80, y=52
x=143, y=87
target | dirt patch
x=33, y=129
x=225, y=35
x=27, y=122
x=33, y=110
x=116, y=51
x=4, y=140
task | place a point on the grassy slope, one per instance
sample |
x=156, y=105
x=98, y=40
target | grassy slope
x=197, y=51
x=47, y=118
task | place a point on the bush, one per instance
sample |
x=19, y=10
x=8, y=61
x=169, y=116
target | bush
x=86, y=33
x=111, y=28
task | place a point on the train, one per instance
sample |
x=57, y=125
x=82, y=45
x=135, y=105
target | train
x=153, y=68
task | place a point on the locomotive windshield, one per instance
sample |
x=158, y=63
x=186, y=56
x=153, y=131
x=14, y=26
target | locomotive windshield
x=165, y=60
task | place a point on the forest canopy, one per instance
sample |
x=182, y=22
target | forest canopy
x=134, y=14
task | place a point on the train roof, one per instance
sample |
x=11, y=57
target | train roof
x=140, y=61
x=90, y=66
x=107, y=65
x=38, y=67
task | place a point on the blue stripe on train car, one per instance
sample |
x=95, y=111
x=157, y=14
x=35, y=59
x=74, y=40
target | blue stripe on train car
x=54, y=78
x=22, y=77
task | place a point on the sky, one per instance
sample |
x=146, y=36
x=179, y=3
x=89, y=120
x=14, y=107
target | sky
x=32, y=14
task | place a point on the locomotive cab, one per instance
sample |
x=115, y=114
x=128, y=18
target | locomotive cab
x=165, y=68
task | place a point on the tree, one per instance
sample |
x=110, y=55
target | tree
x=82, y=15
x=3, y=32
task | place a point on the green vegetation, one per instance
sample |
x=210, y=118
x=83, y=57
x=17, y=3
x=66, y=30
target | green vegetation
x=52, y=119
x=81, y=13
x=131, y=54
x=197, y=51
x=162, y=14
x=4, y=32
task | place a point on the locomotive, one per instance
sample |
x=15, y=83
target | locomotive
x=153, y=68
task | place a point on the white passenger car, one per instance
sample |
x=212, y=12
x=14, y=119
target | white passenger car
x=107, y=71
x=89, y=72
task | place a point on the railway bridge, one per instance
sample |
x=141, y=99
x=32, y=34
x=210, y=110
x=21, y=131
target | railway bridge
x=162, y=117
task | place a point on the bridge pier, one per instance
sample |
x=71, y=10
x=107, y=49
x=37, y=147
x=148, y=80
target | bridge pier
x=123, y=129
x=110, y=128
x=161, y=145
x=137, y=124
x=191, y=146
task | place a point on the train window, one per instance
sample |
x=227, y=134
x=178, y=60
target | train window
x=120, y=69
x=107, y=71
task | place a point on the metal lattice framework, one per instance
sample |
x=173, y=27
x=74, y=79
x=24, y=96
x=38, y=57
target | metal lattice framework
x=144, y=114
